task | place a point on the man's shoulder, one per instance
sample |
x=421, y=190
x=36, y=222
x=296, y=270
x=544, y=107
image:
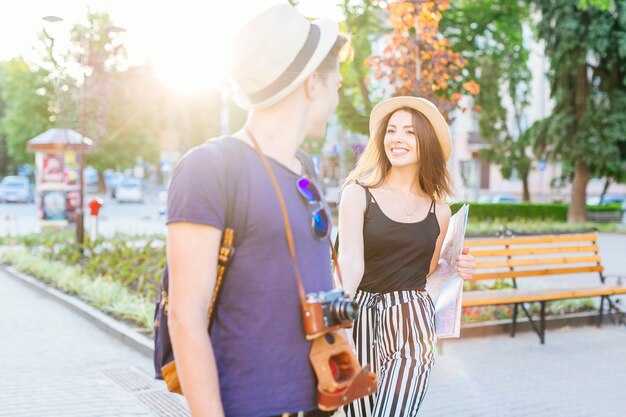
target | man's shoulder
x=214, y=151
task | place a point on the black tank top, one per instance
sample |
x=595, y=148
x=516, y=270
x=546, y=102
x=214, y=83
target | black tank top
x=397, y=255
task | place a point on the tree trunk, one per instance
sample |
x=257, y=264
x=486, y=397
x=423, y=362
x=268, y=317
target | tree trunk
x=607, y=184
x=526, y=189
x=577, y=212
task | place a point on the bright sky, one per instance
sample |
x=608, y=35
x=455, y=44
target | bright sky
x=188, y=41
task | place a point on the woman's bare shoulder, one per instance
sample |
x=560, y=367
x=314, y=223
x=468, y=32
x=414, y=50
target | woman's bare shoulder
x=353, y=195
x=443, y=210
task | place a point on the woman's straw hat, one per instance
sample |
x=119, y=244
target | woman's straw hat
x=423, y=106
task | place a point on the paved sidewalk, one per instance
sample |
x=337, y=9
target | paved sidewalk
x=55, y=363
x=578, y=372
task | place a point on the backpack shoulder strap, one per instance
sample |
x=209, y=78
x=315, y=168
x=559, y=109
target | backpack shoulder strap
x=235, y=211
x=235, y=182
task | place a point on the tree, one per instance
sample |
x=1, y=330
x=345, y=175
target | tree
x=364, y=25
x=587, y=128
x=99, y=54
x=27, y=93
x=489, y=36
x=131, y=129
x=417, y=60
x=119, y=108
x=6, y=164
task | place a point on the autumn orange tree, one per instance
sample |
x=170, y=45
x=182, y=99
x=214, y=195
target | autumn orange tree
x=416, y=59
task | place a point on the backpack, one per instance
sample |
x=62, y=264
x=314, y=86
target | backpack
x=236, y=214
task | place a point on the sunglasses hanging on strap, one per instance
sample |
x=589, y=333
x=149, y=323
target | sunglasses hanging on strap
x=340, y=377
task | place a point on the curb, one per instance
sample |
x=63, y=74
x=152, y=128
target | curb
x=113, y=327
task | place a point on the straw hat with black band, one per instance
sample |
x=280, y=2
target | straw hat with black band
x=276, y=52
x=423, y=106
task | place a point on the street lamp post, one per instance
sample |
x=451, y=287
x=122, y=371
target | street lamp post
x=80, y=218
x=80, y=228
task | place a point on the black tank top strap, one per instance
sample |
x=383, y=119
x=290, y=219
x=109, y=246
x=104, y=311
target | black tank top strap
x=368, y=198
x=433, y=205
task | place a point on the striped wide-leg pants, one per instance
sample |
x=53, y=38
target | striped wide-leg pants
x=395, y=335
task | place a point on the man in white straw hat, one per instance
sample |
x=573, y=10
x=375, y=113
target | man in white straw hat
x=255, y=362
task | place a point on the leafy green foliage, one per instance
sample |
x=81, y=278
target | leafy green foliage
x=586, y=44
x=508, y=212
x=27, y=94
x=134, y=262
x=496, y=227
x=131, y=128
x=489, y=35
x=6, y=163
x=503, y=211
x=364, y=25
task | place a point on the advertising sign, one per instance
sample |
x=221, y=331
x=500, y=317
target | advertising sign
x=53, y=205
x=53, y=168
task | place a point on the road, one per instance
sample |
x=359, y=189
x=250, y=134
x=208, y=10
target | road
x=139, y=218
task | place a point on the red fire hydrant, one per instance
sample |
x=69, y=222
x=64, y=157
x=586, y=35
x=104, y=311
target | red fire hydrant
x=94, y=209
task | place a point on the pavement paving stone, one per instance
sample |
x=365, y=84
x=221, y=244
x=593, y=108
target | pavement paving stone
x=55, y=362
x=578, y=372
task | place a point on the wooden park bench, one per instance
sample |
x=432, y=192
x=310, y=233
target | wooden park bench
x=560, y=256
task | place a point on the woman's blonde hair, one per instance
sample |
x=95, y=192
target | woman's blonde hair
x=373, y=166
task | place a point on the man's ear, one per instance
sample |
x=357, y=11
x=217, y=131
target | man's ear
x=311, y=86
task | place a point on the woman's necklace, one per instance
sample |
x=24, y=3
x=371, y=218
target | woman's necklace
x=408, y=215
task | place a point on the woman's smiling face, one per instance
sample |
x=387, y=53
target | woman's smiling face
x=401, y=140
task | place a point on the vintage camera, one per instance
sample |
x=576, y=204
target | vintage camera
x=340, y=377
x=328, y=310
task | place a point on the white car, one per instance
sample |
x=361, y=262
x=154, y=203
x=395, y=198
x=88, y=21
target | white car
x=608, y=199
x=499, y=198
x=16, y=189
x=129, y=190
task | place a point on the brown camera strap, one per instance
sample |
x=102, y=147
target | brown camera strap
x=288, y=230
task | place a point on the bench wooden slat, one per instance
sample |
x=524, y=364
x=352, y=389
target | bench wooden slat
x=512, y=296
x=533, y=251
x=582, y=237
x=507, y=263
x=538, y=272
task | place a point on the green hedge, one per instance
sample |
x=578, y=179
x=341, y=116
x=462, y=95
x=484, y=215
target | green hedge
x=503, y=211
x=607, y=207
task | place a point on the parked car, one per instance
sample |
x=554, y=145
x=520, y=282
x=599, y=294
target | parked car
x=608, y=199
x=129, y=190
x=499, y=198
x=90, y=176
x=112, y=180
x=16, y=189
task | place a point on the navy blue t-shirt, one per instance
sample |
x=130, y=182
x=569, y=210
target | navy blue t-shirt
x=257, y=334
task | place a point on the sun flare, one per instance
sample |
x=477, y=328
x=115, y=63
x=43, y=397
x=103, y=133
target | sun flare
x=192, y=51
